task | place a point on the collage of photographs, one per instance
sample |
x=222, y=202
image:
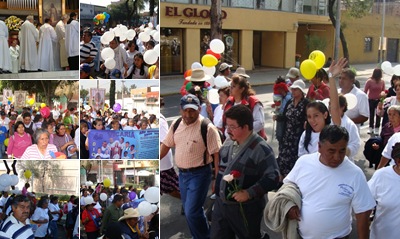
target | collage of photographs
x=199, y=119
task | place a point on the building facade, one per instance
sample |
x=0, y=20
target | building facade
x=266, y=33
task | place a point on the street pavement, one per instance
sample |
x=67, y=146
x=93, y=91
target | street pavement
x=172, y=224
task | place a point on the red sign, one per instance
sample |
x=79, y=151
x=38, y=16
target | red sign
x=190, y=12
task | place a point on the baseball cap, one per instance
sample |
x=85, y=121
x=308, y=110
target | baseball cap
x=293, y=73
x=224, y=66
x=190, y=101
x=85, y=67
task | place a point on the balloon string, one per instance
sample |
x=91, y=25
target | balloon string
x=230, y=59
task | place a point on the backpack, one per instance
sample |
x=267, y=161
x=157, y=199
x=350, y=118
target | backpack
x=203, y=130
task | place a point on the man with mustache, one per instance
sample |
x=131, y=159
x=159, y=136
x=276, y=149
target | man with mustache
x=17, y=225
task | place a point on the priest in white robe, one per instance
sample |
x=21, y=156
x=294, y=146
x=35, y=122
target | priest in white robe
x=60, y=31
x=14, y=52
x=72, y=41
x=5, y=58
x=47, y=36
x=28, y=37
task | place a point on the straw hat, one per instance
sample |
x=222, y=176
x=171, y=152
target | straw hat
x=242, y=72
x=198, y=75
x=129, y=213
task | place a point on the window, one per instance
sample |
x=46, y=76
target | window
x=367, y=44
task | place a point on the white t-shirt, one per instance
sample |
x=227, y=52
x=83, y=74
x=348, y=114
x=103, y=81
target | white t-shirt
x=328, y=196
x=387, y=151
x=218, y=113
x=354, y=136
x=166, y=162
x=312, y=146
x=98, y=208
x=41, y=214
x=362, y=107
x=54, y=208
x=385, y=188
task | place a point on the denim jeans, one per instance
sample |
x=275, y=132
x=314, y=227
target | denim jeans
x=194, y=188
x=54, y=229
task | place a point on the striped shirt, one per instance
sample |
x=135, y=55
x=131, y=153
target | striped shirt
x=189, y=144
x=88, y=50
x=32, y=152
x=12, y=228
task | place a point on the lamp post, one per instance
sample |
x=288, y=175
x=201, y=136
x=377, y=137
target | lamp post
x=381, y=52
x=337, y=29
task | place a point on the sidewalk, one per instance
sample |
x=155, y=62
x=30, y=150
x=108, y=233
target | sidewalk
x=171, y=84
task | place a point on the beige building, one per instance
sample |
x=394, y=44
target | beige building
x=269, y=33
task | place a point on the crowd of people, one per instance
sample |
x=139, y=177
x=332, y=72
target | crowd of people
x=29, y=135
x=108, y=120
x=318, y=130
x=117, y=215
x=41, y=47
x=128, y=56
x=26, y=216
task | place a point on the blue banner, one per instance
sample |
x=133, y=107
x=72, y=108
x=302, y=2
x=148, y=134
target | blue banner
x=124, y=144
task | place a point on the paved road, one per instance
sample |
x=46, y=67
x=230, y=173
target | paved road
x=173, y=225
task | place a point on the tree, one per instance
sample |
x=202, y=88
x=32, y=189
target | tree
x=47, y=172
x=216, y=20
x=43, y=88
x=355, y=9
x=84, y=93
x=112, y=93
x=132, y=87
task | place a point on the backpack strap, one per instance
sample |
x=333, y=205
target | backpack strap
x=176, y=124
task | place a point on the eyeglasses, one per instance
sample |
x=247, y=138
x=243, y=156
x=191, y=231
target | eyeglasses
x=231, y=127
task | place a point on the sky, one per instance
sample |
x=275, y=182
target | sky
x=103, y=3
x=87, y=84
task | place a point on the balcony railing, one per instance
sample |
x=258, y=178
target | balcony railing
x=22, y=4
x=315, y=7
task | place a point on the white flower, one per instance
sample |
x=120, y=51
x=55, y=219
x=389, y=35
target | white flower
x=228, y=178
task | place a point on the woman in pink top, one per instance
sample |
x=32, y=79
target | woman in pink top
x=42, y=149
x=19, y=141
x=373, y=88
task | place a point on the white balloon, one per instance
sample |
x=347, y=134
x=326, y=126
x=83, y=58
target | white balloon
x=130, y=34
x=148, y=30
x=108, y=36
x=122, y=37
x=7, y=189
x=196, y=65
x=117, y=31
x=157, y=49
x=152, y=195
x=153, y=32
x=150, y=25
x=153, y=208
x=213, y=96
x=1, y=188
x=150, y=57
x=156, y=36
x=209, y=70
x=86, y=107
x=211, y=81
x=5, y=180
x=123, y=29
x=144, y=37
x=351, y=101
x=220, y=82
x=217, y=46
x=389, y=71
x=107, y=53
x=110, y=63
x=14, y=180
x=385, y=66
x=103, y=40
x=103, y=197
x=396, y=70
x=158, y=27
x=144, y=208
x=141, y=28
x=16, y=188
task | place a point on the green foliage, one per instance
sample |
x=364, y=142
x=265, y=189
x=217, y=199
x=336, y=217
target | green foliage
x=358, y=8
x=84, y=93
x=315, y=42
x=61, y=197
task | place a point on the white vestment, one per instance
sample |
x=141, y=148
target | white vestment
x=60, y=31
x=14, y=52
x=5, y=58
x=72, y=42
x=46, y=53
x=28, y=37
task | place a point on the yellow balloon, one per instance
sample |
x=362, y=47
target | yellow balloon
x=42, y=105
x=318, y=57
x=6, y=141
x=209, y=60
x=308, y=69
x=10, y=98
x=28, y=174
x=31, y=101
x=107, y=182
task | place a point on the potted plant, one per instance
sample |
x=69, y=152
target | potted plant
x=14, y=24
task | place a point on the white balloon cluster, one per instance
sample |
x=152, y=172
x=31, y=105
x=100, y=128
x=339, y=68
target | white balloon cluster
x=152, y=196
x=89, y=183
x=6, y=181
x=122, y=31
x=386, y=66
